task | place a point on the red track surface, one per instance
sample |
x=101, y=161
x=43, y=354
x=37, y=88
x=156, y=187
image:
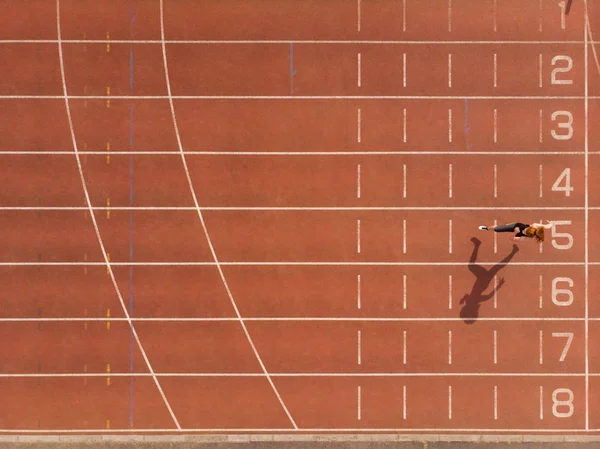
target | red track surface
x=340, y=212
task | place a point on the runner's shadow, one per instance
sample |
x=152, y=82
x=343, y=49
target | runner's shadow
x=471, y=301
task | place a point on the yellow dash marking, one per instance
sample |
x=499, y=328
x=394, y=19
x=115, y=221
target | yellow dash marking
x=108, y=316
x=108, y=95
x=108, y=208
x=108, y=372
x=108, y=43
x=108, y=423
x=107, y=265
x=108, y=150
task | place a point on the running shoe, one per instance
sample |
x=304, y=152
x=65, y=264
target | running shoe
x=483, y=228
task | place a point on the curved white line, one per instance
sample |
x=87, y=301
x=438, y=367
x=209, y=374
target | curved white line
x=209, y=241
x=91, y=210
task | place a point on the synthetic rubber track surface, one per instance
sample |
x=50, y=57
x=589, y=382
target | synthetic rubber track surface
x=256, y=216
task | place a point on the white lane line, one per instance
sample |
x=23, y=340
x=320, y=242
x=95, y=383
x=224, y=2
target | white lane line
x=495, y=70
x=495, y=181
x=358, y=125
x=359, y=356
x=495, y=402
x=404, y=71
x=404, y=402
x=203, y=223
x=404, y=182
x=404, y=236
x=541, y=127
x=449, y=291
x=541, y=290
x=358, y=403
x=449, y=401
x=359, y=74
x=541, y=16
x=495, y=238
x=358, y=293
x=358, y=15
x=404, y=292
x=358, y=236
x=95, y=223
x=404, y=348
x=449, y=236
x=541, y=347
x=495, y=290
x=449, y=180
x=540, y=71
x=358, y=181
x=404, y=15
x=449, y=69
x=541, y=402
x=495, y=16
x=495, y=125
x=404, y=125
x=495, y=347
x=450, y=125
x=449, y=347
x=541, y=176
x=449, y=15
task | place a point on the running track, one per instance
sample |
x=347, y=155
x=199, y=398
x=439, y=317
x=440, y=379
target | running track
x=252, y=216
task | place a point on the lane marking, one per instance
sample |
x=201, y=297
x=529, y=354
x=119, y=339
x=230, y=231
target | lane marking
x=108, y=152
x=495, y=238
x=358, y=236
x=495, y=181
x=404, y=182
x=449, y=180
x=449, y=15
x=108, y=208
x=403, y=401
x=587, y=28
x=495, y=347
x=108, y=42
x=358, y=15
x=541, y=348
x=358, y=69
x=108, y=374
x=495, y=402
x=108, y=96
x=495, y=290
x=541, y=290
x=541, y=16
x=404, y=15
x=449, y=347
x=358, y=125
x=524, y=98
x=449, y=236
x=541, y=402
x=541, y=127
x=540, y=69
x=541, y=177
x=495, y=125
x=495, y=13
x=108, y=319
x=495, y=70
x=404, y=291
x=358, y=291
x=202, y=222
x=449, y=69
x=449, y=401
x=404, y=236
x=449, y=291
x=404, y=343
x=404, y=71
x=359, y=356
x=358, y=403
x=450, y=125
x=358, y=181
x=404, y=125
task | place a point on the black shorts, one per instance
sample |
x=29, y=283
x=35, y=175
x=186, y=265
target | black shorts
x=511, y=228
